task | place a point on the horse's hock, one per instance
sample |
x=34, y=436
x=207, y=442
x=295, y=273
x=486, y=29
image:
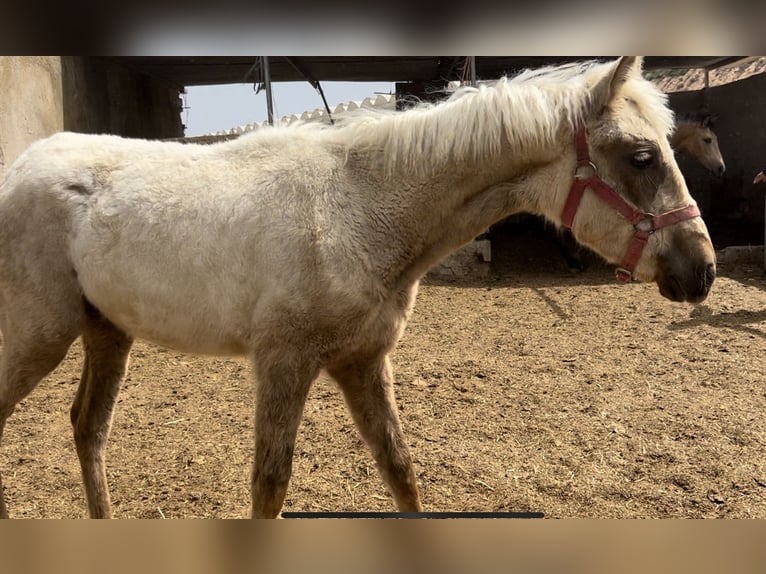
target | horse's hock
x=471, y=260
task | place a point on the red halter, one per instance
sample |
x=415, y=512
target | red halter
x=644, y=223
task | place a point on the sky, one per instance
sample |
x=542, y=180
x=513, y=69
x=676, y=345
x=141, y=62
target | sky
x=209, y=109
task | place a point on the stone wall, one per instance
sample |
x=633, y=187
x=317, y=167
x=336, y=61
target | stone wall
x=30, y=103
x=42, y=95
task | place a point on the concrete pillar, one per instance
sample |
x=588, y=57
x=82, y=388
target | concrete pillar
x=31, y=103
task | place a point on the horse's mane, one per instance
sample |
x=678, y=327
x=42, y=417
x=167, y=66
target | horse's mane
x=527, y=110
x=697, y=118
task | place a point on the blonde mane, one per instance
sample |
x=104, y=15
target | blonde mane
x=527, y=111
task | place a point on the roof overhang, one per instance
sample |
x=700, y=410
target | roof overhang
x=184, y=71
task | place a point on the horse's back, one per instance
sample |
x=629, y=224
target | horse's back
x=177, y=244
x=193, y=247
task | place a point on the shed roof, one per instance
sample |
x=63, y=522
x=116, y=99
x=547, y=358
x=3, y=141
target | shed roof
x=206, y=70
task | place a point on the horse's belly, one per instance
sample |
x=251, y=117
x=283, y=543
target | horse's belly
x=180, y=329
x=180, y=316
x=174, y=284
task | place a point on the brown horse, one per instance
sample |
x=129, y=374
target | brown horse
x=694, y=135
x=303, y=247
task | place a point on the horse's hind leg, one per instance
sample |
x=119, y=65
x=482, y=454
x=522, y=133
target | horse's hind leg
x=36, y=338
x=106, y=355
x=368, y=389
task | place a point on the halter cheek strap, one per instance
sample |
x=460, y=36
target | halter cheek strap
x=644, y=223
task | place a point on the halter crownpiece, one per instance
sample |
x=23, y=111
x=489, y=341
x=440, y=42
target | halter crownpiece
x=644, y=223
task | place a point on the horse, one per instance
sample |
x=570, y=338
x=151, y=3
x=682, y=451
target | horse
x=693, y=135
x=302, y=247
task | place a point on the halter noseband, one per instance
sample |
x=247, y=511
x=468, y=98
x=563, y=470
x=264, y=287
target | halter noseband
x=644, y=223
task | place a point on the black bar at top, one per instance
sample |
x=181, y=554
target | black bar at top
x=432, y=515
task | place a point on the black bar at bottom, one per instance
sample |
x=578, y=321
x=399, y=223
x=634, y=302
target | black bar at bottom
x=436, y=515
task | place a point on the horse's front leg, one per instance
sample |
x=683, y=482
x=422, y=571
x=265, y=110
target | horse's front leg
x=283, y=382
x=367, y=385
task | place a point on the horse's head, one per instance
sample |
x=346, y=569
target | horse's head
x=697, y=138
x=637, y=211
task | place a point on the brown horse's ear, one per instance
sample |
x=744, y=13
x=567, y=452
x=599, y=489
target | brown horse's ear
x=608, y=88
x=709, y=120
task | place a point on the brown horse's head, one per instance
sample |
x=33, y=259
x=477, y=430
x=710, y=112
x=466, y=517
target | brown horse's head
x=628, y=125
x=696, y=137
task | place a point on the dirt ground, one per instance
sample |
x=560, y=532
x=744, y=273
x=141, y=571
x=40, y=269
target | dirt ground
x=538, y=389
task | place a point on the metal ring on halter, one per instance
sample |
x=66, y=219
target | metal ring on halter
x=591, y=165
x=649, y=220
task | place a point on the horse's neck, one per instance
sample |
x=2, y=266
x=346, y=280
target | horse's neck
x=437, y=178
x=680, y=136
x=435, y=215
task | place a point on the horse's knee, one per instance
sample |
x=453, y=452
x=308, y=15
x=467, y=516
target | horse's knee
x=273, y=463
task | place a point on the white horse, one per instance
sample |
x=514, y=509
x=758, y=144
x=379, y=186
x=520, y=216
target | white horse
x=693, y=135
x=302, y=247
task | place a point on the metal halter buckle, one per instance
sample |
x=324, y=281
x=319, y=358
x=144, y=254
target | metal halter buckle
x=623, y=274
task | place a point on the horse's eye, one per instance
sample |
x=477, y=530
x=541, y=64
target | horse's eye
x=642, y=159
x=708, y=140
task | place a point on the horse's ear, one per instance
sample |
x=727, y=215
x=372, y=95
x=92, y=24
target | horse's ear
x=627, y=67
x=607, y=89
x=709, y=120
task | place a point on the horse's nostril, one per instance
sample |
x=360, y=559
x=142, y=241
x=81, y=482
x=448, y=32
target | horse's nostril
x=721, y=170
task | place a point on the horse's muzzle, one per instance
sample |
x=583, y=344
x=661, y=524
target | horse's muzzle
x=690, y=285
x=720, y=170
